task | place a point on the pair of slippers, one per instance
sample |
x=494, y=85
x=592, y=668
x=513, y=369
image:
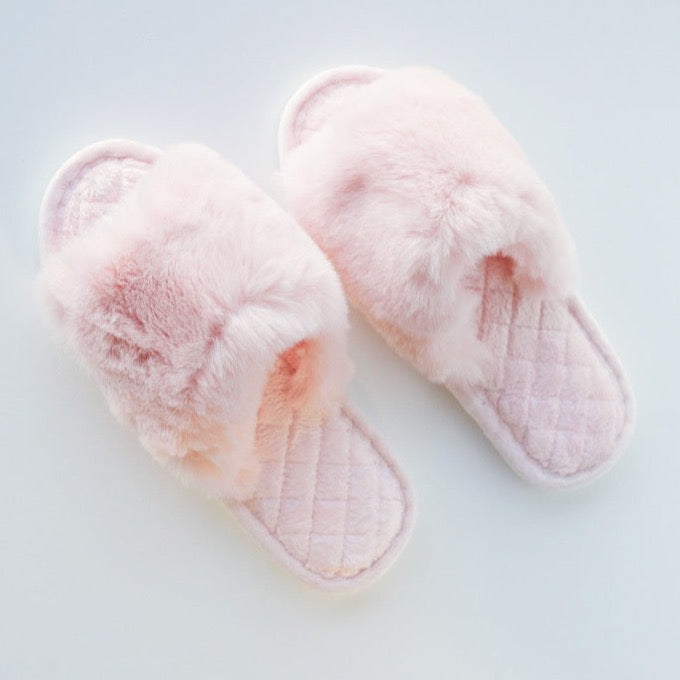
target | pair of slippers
x=215, y=322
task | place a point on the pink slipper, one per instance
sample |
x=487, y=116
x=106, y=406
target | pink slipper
x=447, y=240
x=216, y=329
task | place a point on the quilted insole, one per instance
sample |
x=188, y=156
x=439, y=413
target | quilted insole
x=554, y=393
x=555, y=401
x=330, y=503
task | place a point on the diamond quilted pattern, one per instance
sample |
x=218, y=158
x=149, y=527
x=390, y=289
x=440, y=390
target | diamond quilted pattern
x=555, y=402
x=330, y=503
x=327, y=494
x=550, y=383
x=108, y=180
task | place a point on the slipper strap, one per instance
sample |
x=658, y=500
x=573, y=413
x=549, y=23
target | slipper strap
x=187, y=302
x=408, y=185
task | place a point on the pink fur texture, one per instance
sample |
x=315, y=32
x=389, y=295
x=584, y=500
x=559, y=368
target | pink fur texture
x=447, y=240
x=216, y=328
x=186, y=300
x=418, y=157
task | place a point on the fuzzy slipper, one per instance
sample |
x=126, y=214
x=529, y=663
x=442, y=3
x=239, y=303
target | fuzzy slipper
x=216, y=329
x=449, y=243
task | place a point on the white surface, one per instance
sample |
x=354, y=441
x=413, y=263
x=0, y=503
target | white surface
x=109, y=569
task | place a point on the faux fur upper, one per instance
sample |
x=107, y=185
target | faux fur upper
x=407, y=186
x=187, y=301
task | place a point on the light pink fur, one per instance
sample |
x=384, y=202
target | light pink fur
x=207, y=291
x=180, y=302
x=419, y=182
x=451, y=245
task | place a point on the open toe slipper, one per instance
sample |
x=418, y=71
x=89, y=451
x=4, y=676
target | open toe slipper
x=450, y=244
x=216, y=329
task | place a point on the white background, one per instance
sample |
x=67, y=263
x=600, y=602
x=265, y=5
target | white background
x=109, y=569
